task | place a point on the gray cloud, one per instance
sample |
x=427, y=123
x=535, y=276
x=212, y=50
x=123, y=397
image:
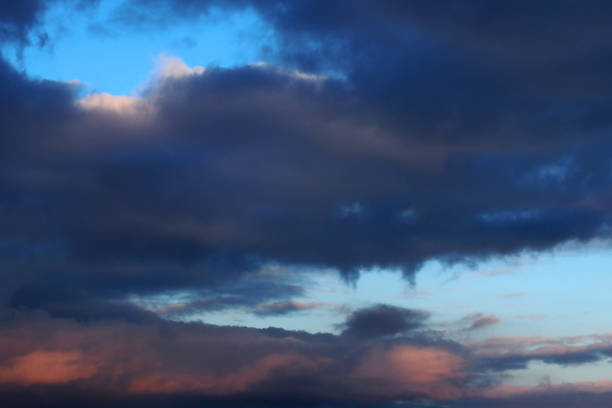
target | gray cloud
x=284, y=308
x=383, y=320
x=480, y=321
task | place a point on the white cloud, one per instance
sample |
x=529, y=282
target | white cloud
x=174, y=67
x=166, y=68
x=112, y=103
x=293, y=73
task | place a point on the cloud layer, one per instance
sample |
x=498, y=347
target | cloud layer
x=380, y=135
x=213, y=361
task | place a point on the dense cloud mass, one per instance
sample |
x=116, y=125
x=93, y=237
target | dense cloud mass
x=164, y=357
x=381, y=135
x=43, y=360
x=212, y=174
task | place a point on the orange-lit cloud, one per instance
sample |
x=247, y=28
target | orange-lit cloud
x=424, y=370
x=112, y=103
x=153, y=358
x=47, y=367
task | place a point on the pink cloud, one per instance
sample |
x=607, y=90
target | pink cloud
x=429, y=371
x=166, y=357
x=47, y=367
x=152, y=358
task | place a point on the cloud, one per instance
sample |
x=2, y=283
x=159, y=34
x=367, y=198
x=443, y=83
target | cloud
x=78, y=305
x=169, y=67
x=282, y=155
x=427, y=371
x=247, y=293
x=382, y=320
x=555, y=397
x=395, y=116
x=283, y=308
x=506, y=353
x=21, y=21
x=587, y=387
x=128, y=360
x=478, y=321
x=127, y=105
x=380, y=135
x=17, y=18
x=212, y=361
x=47, y=367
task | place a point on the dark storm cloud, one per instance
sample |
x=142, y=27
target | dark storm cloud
x=212, y=175
x=548, y=44
x=459, y=91
x=383, y=320
x=231, y=169
x=451, y=159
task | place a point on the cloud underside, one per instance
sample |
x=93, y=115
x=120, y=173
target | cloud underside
x=379, y=138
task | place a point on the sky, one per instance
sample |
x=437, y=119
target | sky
x=240, y=203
